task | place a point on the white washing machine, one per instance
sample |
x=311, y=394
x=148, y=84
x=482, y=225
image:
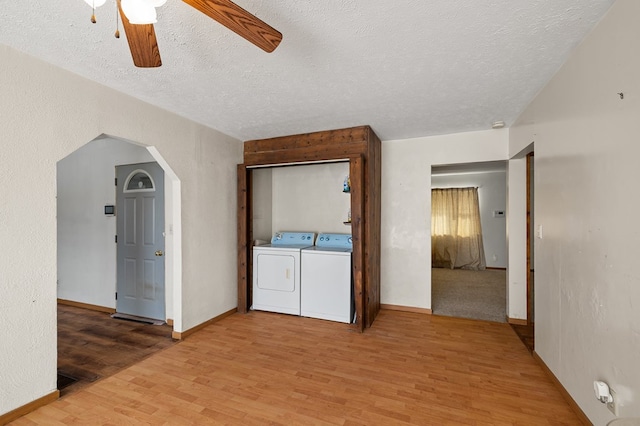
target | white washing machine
x=276, y=272
x=327, y=285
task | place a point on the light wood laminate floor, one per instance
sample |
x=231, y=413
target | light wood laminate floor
x=263, y=368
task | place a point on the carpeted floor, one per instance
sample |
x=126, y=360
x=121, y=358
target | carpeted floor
x=469, y=294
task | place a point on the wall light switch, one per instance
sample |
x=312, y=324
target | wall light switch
x=539, y=232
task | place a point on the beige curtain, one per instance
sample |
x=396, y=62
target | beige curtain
x=456, y=233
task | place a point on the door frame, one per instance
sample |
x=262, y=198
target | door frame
x=477, y=167
x=245, y=234
x=173, y=243
x=530, y=222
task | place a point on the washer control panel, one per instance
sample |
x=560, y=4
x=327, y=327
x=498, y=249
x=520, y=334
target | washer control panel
x=334, y=241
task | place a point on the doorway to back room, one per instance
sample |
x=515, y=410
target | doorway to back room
x=469, y=283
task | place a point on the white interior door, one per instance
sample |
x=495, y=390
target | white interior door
x=140, y=240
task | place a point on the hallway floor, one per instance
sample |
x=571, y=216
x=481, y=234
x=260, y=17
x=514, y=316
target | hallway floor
x=92, y=345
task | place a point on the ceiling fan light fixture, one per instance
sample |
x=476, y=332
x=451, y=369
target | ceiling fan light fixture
x=139, y=12
x=138, y=17
x=95, y=3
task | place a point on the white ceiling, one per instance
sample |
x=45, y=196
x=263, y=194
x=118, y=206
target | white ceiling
x=408, y=68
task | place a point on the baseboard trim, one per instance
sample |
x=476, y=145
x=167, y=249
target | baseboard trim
x=491, y=268
x=181, y=335
x=87, y=306
x=517, y=321
x=406, y=309
x=27, y=408
x=572, y=403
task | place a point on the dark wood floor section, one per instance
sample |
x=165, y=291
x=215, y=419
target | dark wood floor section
x=525, y=334
x=92, y=345
x=261, y=368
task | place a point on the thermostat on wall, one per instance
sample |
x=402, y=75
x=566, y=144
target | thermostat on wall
x=109, y=210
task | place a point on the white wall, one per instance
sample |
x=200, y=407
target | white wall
x=310, y=198
x=46, y=114
x=262, y=203
x=517, y=239
x=586, y=178
x=86, y=247
x=492, y=195
x=406, y=206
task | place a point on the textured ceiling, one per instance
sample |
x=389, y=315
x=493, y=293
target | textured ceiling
x=408, y=68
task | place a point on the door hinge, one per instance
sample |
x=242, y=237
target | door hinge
x=116, y=181
x=116, y=238
x=116, y=295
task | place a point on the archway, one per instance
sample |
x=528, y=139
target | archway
x=86, y=225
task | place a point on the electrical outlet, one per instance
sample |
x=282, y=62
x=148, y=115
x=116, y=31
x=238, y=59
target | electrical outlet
x=613, y=405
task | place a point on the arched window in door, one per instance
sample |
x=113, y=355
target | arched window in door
x=139, y=181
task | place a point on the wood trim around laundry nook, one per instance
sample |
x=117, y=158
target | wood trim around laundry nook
x=349, y=144
x=358, y=255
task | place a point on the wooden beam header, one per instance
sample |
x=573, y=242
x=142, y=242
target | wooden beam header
x=307, y=147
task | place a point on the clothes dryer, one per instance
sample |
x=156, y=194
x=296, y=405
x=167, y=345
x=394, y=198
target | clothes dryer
x=276, y=272
x=327, y=284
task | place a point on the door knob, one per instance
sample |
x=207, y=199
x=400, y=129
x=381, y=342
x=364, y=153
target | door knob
x=159, y=253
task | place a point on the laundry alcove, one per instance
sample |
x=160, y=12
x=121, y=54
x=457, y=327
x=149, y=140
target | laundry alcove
x=362, y=149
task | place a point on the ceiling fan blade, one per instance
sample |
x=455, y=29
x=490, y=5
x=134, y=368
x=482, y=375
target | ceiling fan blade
x=240, y=21
x=142, y=43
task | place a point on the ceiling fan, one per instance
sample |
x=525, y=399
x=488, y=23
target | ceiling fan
x=144, y=46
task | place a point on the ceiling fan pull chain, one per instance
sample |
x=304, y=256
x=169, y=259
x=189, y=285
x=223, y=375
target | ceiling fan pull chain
x=93, y=12
x=117, y=34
